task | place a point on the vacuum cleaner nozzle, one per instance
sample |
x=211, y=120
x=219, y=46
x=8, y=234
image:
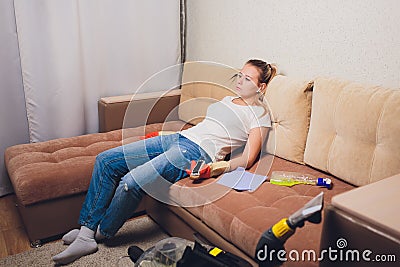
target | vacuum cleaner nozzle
x=275, y=237
x=311, y=212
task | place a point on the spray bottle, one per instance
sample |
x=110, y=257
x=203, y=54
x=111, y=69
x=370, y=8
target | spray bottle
x=270, y=249
x=292, y=178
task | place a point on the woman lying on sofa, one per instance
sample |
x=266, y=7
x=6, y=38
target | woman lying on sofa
x=120, y=173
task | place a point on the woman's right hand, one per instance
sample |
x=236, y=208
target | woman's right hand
x=209, y=170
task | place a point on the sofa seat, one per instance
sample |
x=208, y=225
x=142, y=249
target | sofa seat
x=241, y=217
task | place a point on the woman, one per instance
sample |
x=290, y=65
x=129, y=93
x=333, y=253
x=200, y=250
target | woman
x=121, y=173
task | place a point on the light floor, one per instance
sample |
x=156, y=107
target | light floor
x=13, y=238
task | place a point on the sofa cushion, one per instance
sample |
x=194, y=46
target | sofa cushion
x=289, y=101
x=62, y=167
x=56, y=168
x=354, y=131
x=242, y=217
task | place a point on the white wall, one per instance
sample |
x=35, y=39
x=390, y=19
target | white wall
x=357, y=40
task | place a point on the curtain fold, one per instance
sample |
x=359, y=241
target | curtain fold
x=74, y=52
x=14, y=126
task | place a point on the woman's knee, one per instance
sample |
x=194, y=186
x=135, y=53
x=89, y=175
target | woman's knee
x=128, y=185
x=108, y=154
x=105, y=156
x=112, y=160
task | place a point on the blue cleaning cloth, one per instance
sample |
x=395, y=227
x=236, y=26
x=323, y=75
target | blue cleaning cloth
x=240, y=179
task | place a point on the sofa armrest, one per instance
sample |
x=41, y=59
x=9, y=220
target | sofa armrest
x=156, y=107
x=362, y=220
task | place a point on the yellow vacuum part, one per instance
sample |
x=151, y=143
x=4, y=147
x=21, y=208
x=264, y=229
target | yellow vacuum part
x=215, y=251
x=282, y=230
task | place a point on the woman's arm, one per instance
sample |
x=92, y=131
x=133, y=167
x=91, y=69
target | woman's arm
x=251, y=150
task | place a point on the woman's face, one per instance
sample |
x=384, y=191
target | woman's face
x=247, y=81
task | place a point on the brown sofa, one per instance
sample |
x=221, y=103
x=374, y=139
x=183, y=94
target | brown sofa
x=338, y=139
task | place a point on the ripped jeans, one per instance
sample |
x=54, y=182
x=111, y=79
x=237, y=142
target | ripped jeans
x=122, y=175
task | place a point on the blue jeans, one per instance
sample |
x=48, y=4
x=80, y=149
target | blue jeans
x=122, y=174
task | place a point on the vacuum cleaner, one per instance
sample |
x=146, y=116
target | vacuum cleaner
x=180, y=252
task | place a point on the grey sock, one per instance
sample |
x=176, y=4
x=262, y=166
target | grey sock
x=84, y=244
x=69, y=237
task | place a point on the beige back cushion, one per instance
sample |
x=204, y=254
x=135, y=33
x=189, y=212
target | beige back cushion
x=203, y=83
x=289, y=100
x=354, y=131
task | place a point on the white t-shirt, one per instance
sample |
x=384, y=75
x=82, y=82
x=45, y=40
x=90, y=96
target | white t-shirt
x=226, y=127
